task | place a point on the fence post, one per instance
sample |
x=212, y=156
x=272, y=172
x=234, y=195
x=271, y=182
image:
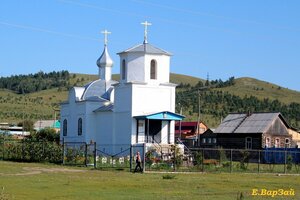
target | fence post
x=63, y=151
x=202, y=163
x=3, y=148
x=130, y=158
x=23, y=153
x=85, y=154
x=95, y=155
x=285, y=154
x=258, y=167
x=144, y=157
x=230, y=160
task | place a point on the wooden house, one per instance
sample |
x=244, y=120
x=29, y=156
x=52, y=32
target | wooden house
x=188, y=132
x=254, y=131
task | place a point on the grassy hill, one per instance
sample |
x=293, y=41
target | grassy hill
x=39, y=105
x=261, y=89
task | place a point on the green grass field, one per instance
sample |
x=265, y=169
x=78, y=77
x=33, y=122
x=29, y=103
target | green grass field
x=44, y=181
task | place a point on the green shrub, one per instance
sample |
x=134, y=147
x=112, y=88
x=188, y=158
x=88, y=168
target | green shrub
x=168, y=176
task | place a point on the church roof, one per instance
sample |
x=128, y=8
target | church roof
x=97, y=88
x=104, y=108
x=105, y=59
x=146, y=48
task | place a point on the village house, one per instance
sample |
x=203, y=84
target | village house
x=42, y=124
x=295, y=136
x=251, y=131
x=188, y=132
x=137, y=109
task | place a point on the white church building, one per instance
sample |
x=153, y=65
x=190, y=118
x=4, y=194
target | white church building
x=139, y=108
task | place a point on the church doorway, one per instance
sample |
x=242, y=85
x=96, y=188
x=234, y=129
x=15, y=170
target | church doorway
x=154, y=131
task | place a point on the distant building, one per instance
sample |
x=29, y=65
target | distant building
x=295, y=136
x=42, y=124
x=208, y=139
x=14, y=130
x=188, y=132
x=253, y=131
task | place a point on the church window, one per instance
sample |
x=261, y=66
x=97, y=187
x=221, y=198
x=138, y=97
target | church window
x=80, y=126
x=65, y=127
x=123, y=69
x=153, y=69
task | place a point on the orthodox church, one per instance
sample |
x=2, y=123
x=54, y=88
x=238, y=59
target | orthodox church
x=139, y=108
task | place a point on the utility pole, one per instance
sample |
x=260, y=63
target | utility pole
x=198, y=121
x=180, y=122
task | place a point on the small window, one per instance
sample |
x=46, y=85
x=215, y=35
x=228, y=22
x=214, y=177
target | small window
x=209, y=140
x=79, y=126
x=153, y=70
x=287, y=143
x=248, y=142
x=268, y=142
x=65, y=127
x=123, y=69
x=203, y=140
x=277, y=143
x=214, y=140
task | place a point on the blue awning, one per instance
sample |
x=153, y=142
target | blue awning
x=165, y=116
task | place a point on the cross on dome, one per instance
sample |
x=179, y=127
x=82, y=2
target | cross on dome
x=105, y=32
x=146, y=24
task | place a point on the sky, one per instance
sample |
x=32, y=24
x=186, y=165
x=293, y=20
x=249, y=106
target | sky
x=212, y=38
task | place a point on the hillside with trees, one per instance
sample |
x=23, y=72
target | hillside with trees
x=217, y=97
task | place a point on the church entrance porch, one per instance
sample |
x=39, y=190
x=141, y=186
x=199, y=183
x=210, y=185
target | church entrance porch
x=156, y=128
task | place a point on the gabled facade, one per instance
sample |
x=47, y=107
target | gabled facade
x=253, y=131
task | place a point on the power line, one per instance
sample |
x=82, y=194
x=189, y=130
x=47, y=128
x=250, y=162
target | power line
x=47, y=31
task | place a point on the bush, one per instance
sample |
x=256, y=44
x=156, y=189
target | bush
x=168, y=176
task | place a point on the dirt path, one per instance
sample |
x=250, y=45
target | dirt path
x=38, y=170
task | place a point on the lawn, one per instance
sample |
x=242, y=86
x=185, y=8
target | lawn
x=46, y=181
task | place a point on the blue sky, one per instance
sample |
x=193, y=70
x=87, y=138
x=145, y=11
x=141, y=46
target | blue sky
x=222, y=38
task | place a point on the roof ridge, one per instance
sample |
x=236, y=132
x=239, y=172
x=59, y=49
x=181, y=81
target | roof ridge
x=242, y=121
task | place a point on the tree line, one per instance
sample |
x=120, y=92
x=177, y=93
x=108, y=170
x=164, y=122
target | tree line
x=219, y=104
x=23, y=84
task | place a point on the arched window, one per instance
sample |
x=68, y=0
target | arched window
x=79, y=126
x=123, y=69
x=65, y=127
x=153, y=70
x=287, y=143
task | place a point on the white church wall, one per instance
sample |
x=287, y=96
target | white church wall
x=105, y=128
x=134, y=67
x=162, y=67
x=123, y=128
x=123, y=98
x=149, y=99
x=71, y=112
x=91, y=120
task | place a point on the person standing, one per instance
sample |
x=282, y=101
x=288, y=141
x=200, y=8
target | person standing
x=138, y=163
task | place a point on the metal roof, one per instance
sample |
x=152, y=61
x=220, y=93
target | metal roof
x=97, y=88
x=243, y=123
x=165, y=115
x=105, y=108
x=146, y=48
